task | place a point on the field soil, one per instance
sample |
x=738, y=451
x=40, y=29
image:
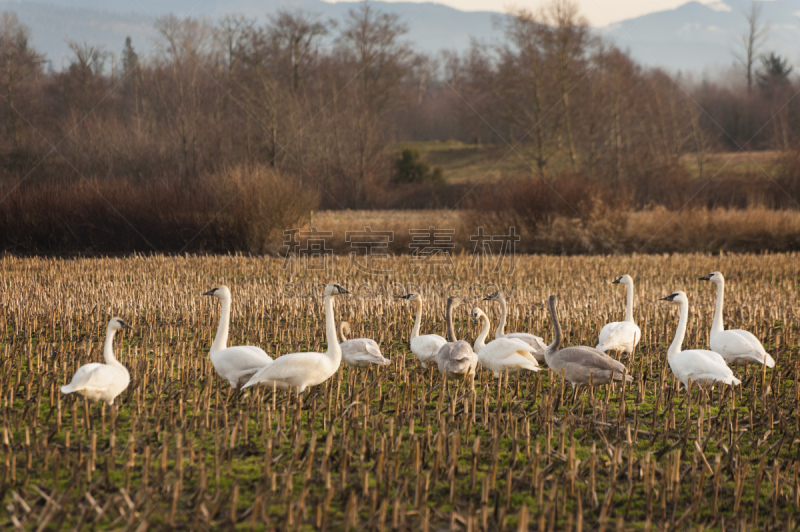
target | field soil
x=391, y=448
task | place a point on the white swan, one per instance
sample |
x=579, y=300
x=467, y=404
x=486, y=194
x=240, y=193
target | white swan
x=426, y=346
x=736, y=346
x=360, y=352
x=532, y=340
x=456, y=359
x=234, y=364
x=704, y=368
x=102, y=382
x=302, y=370
x=621, y=335
x=503, y=354
x=580, y=365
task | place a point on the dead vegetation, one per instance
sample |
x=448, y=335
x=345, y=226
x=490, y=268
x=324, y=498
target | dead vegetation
x=388, y=448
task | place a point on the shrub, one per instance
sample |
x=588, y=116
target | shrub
x=410, y=168
x=240, y=208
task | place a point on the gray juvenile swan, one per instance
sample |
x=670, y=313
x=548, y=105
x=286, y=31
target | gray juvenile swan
x=456, y=359
x=580, y=364
x=360, y=352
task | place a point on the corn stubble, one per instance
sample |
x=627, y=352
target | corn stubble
x=389, y=448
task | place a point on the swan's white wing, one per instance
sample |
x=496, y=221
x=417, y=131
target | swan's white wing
x=701, y=365
x=94, y=376
x=256, y=351
x=531, y=339
x=239, y=358
x=425, y=347
x=362, y=351
x=735, y=344
x=293, y=369
x=508, y=354
x=506, y=347
x=619, y=335
x=518, y=361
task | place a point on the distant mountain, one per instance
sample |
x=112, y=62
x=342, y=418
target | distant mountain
x=431, y=27
x=692, y=37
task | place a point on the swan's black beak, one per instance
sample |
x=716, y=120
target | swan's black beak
x=125, y=325
x=210, y=292
x=616, y=281
x=705, y=277
x=491, y=297
x=341, y=290
x=407, y=296
x=669, y=297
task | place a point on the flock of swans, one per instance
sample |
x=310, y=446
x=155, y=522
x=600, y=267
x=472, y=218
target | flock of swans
x=247, y=366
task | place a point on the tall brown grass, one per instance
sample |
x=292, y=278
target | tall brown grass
x=239, y=208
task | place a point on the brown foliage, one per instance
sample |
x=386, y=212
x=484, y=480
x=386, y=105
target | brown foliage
x=237, y=209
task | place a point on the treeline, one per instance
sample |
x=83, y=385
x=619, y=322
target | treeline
x=316, y=106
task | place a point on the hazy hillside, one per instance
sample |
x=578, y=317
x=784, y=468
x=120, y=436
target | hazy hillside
x=695, y=36
x=432, y=27
x=692, y=37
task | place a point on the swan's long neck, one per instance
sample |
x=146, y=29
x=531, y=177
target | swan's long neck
x=680, y=333
x=108, y=350
x=334, y=350
x=418, y=321
x=556, y=345
x=716, y=325
x=501, y=325
x=342, y=336
x=629, y=303
x=451, y=330
x=480, y=341
x=221, y=340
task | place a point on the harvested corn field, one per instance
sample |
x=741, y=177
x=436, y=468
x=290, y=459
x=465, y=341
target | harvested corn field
x=391, y=447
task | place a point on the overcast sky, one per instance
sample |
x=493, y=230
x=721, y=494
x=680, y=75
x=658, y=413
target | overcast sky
x=599, y=12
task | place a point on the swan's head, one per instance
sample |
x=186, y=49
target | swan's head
x=476, y=315
x=334, y=289
x=495, y=296
x=453, y=301
x=117, y=324
x=220, y=292
x=676, y=298
x=344, y=330
x=409, y=297
x=626, y=279
x=714, y=277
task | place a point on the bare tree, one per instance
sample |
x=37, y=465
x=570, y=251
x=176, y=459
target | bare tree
x=179, y=85
x=569, y=36
x=752, y=42
x=231, y=34
x=17, y=62
x=296, y=35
